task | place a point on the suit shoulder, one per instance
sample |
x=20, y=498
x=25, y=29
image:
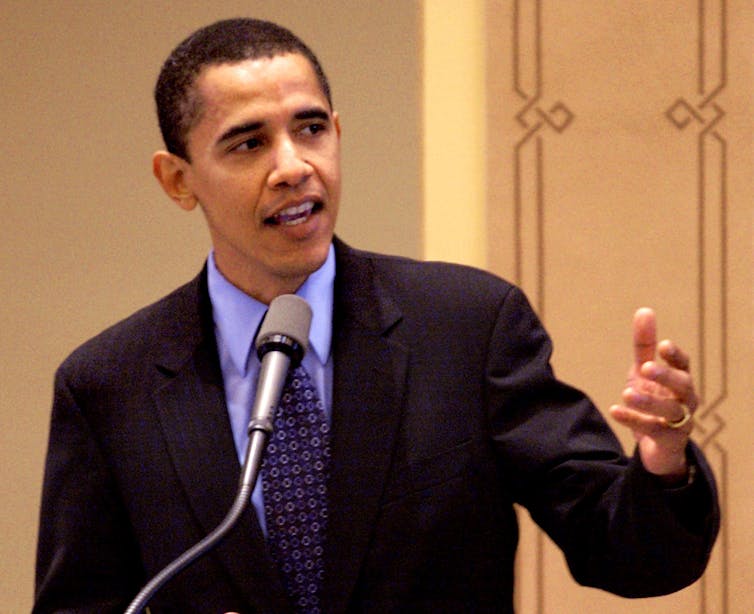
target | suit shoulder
x=444, y=278
x=134, y=338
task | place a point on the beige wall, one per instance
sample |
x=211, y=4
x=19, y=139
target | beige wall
x=620, y=150
x=592, y=188
x=616, y=162
x=87, y=236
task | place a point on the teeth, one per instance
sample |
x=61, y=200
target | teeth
x=295, y=215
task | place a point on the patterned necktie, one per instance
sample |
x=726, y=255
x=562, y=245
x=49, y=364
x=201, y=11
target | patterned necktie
x=294, y=483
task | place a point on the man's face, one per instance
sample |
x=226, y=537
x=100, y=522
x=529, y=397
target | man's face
x=265, y=169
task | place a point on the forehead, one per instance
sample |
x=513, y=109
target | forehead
x=263, y=91
x=260, y=79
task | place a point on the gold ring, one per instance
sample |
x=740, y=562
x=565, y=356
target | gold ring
x=676, y=424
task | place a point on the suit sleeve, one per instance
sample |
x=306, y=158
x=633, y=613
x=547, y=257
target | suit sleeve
x=618, y=527
x=86, y=558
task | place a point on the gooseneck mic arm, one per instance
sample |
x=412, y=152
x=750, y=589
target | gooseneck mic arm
x=281, y=344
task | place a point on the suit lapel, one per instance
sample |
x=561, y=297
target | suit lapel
x=370, y=370
x=368, y=387
x=194, y=419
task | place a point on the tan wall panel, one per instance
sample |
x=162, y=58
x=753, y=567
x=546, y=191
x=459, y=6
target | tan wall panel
x=620, y=174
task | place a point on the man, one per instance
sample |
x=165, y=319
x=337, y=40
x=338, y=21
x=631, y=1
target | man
x=434, y=380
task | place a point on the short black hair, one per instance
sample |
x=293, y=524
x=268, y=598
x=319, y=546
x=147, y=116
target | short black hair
x=226, y=41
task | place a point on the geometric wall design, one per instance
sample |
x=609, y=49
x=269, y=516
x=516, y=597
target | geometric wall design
x=698, y=110
x=610, y=185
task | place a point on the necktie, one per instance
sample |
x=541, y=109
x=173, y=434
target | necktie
x=294, y=483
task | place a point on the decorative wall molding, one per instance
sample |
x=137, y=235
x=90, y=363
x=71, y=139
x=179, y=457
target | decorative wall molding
x=536, y=118
x=542, y=115
x=705, y=116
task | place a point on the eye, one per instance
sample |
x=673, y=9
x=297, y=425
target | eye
x=314, y=128
x=249, y=144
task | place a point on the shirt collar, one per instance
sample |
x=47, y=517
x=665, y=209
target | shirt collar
x=237, y=315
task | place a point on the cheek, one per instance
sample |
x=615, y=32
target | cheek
x=330, y=172
x=232, y=194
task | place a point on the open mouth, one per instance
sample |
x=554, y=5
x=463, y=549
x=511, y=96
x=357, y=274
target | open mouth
x=292, y=216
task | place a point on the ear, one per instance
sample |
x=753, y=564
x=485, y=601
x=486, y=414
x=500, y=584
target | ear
x=336, y=121
x=170, y=171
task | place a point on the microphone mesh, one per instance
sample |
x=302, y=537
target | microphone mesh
x=288, y=315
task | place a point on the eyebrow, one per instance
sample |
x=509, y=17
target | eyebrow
x=240, y=129
x=312, y=113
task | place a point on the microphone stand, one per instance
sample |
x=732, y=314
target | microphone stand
x=260, y=429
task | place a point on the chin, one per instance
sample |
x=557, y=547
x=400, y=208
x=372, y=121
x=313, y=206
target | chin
x=316, y=259
x=317, y=250
x=306, y=261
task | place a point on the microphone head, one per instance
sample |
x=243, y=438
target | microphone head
x=285, y=327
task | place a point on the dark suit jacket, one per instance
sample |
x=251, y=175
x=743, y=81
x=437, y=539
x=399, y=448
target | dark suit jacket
x=445, y=412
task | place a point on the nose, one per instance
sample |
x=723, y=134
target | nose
x=289, y=166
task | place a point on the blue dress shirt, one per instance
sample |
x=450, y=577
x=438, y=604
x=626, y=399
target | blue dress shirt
x=237, y=317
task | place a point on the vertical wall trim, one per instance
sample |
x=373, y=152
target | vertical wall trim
x=454, y=213
x=712, y=266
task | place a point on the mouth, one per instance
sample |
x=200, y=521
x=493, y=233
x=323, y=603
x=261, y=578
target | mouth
x=294, y=215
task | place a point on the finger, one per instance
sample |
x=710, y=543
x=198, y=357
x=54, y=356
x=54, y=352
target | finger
x=642, y=423
x=645, y=335
x=675, y=382
x=636, y=419
x=666, y=407
x=674, y=355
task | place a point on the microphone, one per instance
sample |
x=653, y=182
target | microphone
x=281, y=343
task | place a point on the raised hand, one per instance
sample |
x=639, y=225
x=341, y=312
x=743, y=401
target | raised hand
x=658, y=400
